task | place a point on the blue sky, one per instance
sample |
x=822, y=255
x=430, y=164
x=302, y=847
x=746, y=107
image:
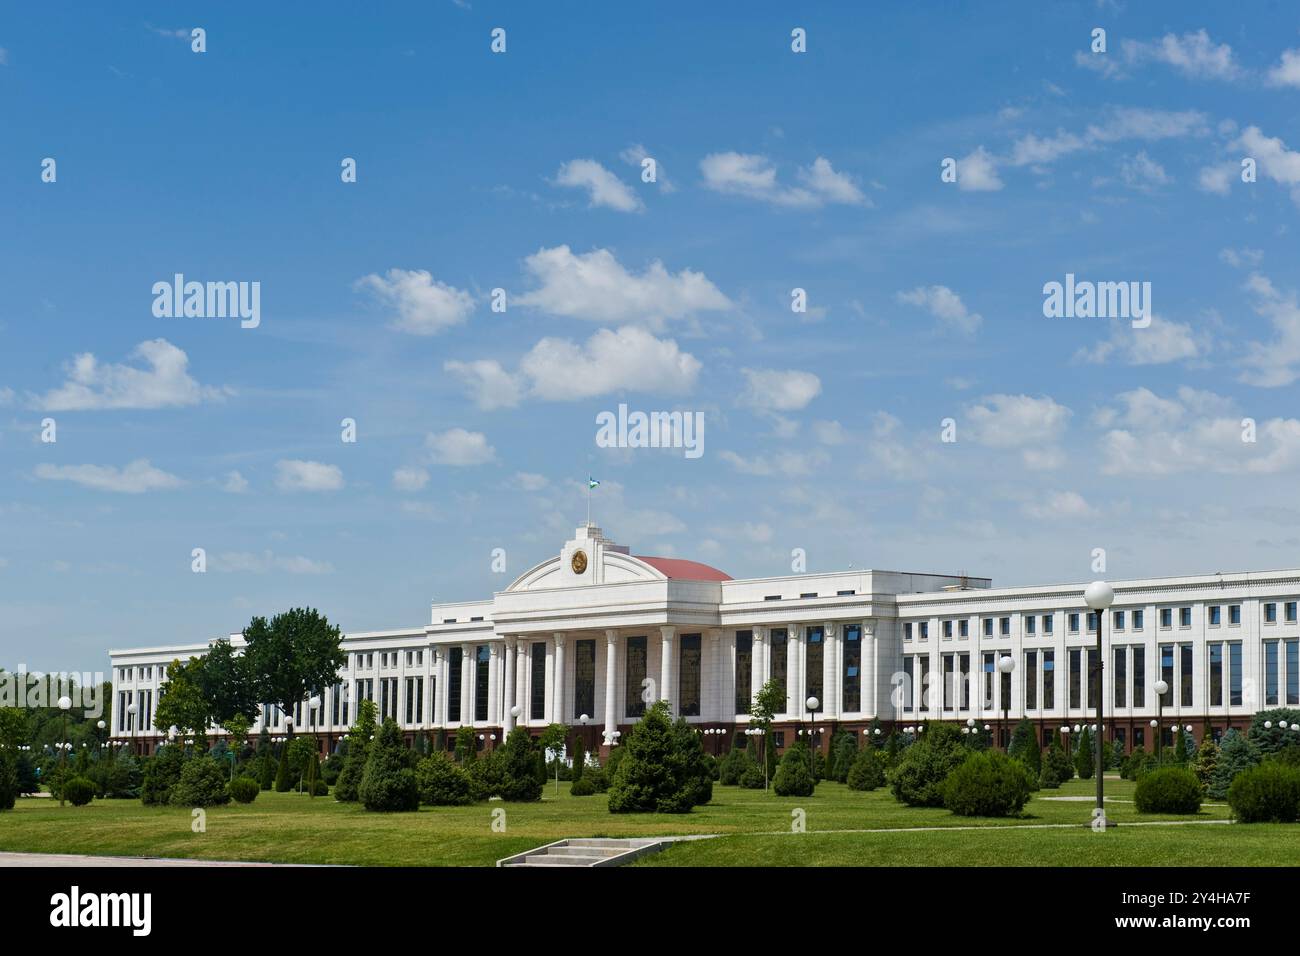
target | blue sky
x=520, y=171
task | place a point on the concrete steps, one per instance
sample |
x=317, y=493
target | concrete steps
x=584, y=852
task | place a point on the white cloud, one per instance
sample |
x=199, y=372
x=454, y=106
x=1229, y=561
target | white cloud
x=1275, y=363
x=234, y=483
x=458, y=447
x=830, y=433
x=596, y=287
x=424, y=305
x=4, y=56
x=603, y=187
x=1218, y=178
x=1161, y=342
x=788, y=464
x=1242, y=258
x=977, y=172
x=410, y=479
x=1015, y=421
x=1194, y=55
x=1033, y=150
x=135, y=478
x=296, y=475
x=248, y=562
x=1058, y=504
x=6, y=397
x=490, y=385
x=1274, y=160
x=1142, y=172
x=945, y=305
x=529, y=481
x=1287, y=71
x=629, y=358
x=163, y=382
x=780, y=390
x=754, y=177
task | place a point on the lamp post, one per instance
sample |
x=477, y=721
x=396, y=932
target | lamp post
x=1099, y=596
x=1161, y=688
x=313, y=704
x=65, y=705
x=99, y=743
x=812, y=703
x=1065, y=732
x=1006, y=665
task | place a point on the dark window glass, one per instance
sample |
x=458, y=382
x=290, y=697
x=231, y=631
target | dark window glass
x=1185, y=673
x=1031, y=679
x=989, y=668
x=963, y=675
x=635, y=673
x=909, y=682
x=688, y=695
x=1234, y=681
x=744, y=670
x=1120, y=676
x=584, y=679
x=1292, y=673
x=852, y=678
x=1094, y=677
x=1216, y=675
x=814, y=657
x=537, y=703
x=1270, y=672
x=1139, y=675
x=949, y=680
x=455, y=659
x=778, y=648
x=482, y=666
x=1076, y=686
x=1167, y=673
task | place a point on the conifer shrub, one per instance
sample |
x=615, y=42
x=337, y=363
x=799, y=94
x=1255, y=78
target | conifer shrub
x=202, y=783
x=987, y=784
x=794, y=777
x=244, y=789
x=441, y=782
x=752, y=779
x=584, y=786
x=487, y=776
x=662, y=769
x=1269, y=793
x=347, y=789
x=918, y=779
x=8, y=780
x=388, y=784
x=519, y=766
x=1237, y=754
x=867, y=771
x=162, y=771
x=733, y=766
x=1168, y=790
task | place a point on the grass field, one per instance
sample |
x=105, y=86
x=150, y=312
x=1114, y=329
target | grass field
x=756, y=829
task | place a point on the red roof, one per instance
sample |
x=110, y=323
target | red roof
x=686, y=570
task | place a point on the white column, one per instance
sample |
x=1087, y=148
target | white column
x=713, y=708
x=440, y=686
x=467, y=684
x=507, y=719
x=557, y=682
x=793, y=668
x=666, y=665
x=757, y=670
x=831, y=669
x=870, y=672
x=611, y=672
x=522, y=648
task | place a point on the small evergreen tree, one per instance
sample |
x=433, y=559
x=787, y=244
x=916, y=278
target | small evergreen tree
x=794, y=775
x=579, y=757
x=1237, y=753
x=1180, y=748
x=441, y=782
x=844, y=747
x=161, y=773
x=347, y=789
x=521, y=783
x=1085, y=763
x=388, y=783
x=868, y=770
x=1207, y=757
x=1024, y=747
x=662, y=769
x=283, y=776
x=466, y=746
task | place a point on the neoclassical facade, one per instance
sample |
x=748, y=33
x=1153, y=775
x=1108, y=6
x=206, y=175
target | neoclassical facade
x=589, y=636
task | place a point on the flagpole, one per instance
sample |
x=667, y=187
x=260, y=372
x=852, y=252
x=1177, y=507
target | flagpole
x=588, y=502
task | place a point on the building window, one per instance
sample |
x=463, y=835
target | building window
x=634, y=674
x=1290, y=612
x=415, y=700
x=815, y=654
x=1139, y=676
x=1031, y=679
x=1047, y=624
x=1094, y=678
x=1120, y=677
x=1006, y=703
x=482, y=669
x=1004, y=626
x=1216, y=675
x=1166, y=617
x=780, y=660
x=1092, y=622
x=909, y=685
x=1049, y=679
x=1030, y=621
x=1270, y=673
x=947, y=630
x=925, y=630
x=1139, y=738
x=584, y=679
x=1292, y=673
x=537, y=703
x=744, y=670
x=1139, y=616
x=907, y=630
x=383, y=702
x=949, y=680
x=1234, y=614
x=1216, y=615
x=1117, y=620
x=1076, y=673
x=1167, y=673
x=1184, y=617
x=963, y=628
x=851, y=701
x=963, y=674
x=1185, y=673
x=455, y=660
x=688, y=698
x=926, y=699
x=990, y=668
x=988, y=627
x=1074, y=623
x=1234, y=674
x=1270, y=613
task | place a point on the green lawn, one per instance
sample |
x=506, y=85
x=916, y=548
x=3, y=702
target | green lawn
x=291, y=828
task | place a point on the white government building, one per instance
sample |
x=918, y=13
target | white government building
x=586, y=637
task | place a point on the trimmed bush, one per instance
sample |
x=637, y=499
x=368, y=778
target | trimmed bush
x=584, y=786
x=283, y=781
x=388, y=785
x=162, y=771
x=1168, y=790
x=441, y=783
x=244, y=789
x=579, y=758
x=520, y=769
x=1085, y=758
x=867, y=771
x=794, y=777
x=1269, y=793
x=733, y=766
x=1024, y=747
x=347, y=789
x=1237, y=754
x=663, y=768
x=487, y=776
x=79, y=791
x=8, y=780
x=752, y=779
x=987, y=784
x=1289, y=755
x=918, y=779
x=202, y=784
x=844, y=751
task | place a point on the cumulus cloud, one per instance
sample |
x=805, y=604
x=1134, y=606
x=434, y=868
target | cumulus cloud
x=945, y=305
x=780, y=390
x=234, y=483
x=487, y=382
x=1161, y=342
x=1031, y=424
x=754, y=177
x=458, y=447
x=594, y=286
x=977, y=172
x=1193, y=54
x=1287, y=70
x=293, y=474
x=1142, y=172
x=249, y=562
x=161, y=380
x=134, y=478
x=1057, y=505
x=1274, y=160
x=1277, y=362
x=424, y=306
x=603, y=187
x=410, y=479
